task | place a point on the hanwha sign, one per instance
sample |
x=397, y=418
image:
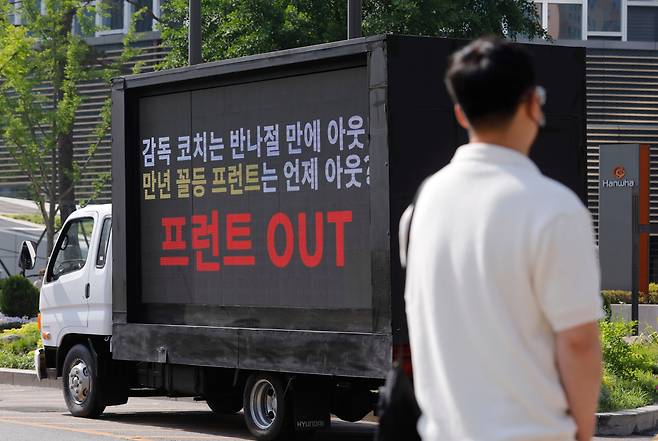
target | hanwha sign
x=619, y=172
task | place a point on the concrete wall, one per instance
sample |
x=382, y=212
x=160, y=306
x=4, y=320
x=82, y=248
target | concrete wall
x=648, y=316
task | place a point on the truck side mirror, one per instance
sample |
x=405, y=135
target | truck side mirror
x=28, y=257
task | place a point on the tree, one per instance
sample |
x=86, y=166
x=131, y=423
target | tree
x=232, y=29
x=42, y=61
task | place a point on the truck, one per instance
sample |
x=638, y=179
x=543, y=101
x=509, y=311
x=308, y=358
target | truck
x=249, y=257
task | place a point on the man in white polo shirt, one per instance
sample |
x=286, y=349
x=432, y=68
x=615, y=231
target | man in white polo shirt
x=502, y=288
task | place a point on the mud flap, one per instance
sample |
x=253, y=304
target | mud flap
x=311, y=404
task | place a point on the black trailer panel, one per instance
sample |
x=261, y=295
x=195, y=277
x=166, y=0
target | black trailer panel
x=276, y=350
x=261, y=192
x=424, y=134
x=306, y=278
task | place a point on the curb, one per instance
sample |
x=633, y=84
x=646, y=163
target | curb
x=627, y=422
x=21, y=377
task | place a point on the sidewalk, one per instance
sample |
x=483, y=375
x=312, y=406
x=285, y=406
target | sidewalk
x=21, y=377
x=17, y=206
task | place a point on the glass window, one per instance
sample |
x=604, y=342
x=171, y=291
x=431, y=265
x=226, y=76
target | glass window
x=145, y=20
x=642, y=23
x=604, y=15
x=540, y=12
x=565, y=21
x=104, y=242
x=112, y=14
x=84, y=22
x=14, y=17
x=72, y=248
x=30, y=10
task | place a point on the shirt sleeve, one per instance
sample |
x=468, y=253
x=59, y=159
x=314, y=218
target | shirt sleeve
x=403, y=232
x=566, y=276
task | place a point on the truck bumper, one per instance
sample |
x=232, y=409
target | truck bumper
x=40, y=363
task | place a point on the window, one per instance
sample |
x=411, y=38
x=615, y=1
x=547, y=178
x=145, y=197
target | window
x=72, y=248
x=112, y=15
x=84, y=22
x=642, y=23
x=145, y=20
x=14, y=16
x=540, y=12
x=597, y=19
x=565, y=21
x=604, y=15
x=104, y=242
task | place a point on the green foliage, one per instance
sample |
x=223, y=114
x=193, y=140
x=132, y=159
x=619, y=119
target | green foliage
x=620, y=357
x=18, y=345
x=233, y=29
x=42, y=63
x=19, y=297
x=606, y=306
x=629, y=367
x=627, y=393
x=34, y=218
x=616, y=296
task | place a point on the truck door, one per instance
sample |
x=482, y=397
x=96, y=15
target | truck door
x=64, y=296
x=100, y=282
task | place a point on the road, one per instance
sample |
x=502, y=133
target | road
x=36, y=414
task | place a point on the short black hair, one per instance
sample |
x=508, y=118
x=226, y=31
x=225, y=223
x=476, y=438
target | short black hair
x=488, y=78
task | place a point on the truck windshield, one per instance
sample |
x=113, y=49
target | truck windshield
x=72, y=247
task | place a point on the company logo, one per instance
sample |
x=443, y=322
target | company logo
x=619, y=172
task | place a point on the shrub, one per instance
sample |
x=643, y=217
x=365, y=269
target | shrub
x=606, y=307
x=615, y=296
x=19, y=297
x=18, y=345
x=623, y=393
x=629, y=367
x=10, y=325
x=619, y=357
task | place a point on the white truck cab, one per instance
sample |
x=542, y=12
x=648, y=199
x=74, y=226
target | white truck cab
x=76, y=295
x=75, y=306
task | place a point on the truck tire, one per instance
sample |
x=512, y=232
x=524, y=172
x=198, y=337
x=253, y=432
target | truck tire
x=225, y=405
x=82, y=387
x=265, y=407
x=352, y=405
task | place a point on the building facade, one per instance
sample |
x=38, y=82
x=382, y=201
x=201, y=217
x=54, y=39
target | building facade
x=616, y=20
x=114, y=23
x=620, y=37
x=621, y=41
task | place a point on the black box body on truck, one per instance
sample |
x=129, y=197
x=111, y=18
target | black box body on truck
x=256, y=205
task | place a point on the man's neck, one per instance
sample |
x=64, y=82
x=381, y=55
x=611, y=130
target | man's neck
x=500, y=139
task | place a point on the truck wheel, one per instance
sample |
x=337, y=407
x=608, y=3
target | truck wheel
x=352, y=405
x=265, y=407
x=227, y=405
x=82, y=388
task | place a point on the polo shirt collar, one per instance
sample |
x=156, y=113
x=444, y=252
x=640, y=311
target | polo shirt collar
x=493, y=154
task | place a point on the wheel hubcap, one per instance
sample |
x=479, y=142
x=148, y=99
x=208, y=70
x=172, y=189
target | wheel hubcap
x=263, y=405
x=79, y=382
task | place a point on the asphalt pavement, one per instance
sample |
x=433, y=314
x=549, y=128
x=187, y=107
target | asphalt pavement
x=39, y=414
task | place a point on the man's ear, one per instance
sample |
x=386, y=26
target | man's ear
x=533, y=109
x=461, y=117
